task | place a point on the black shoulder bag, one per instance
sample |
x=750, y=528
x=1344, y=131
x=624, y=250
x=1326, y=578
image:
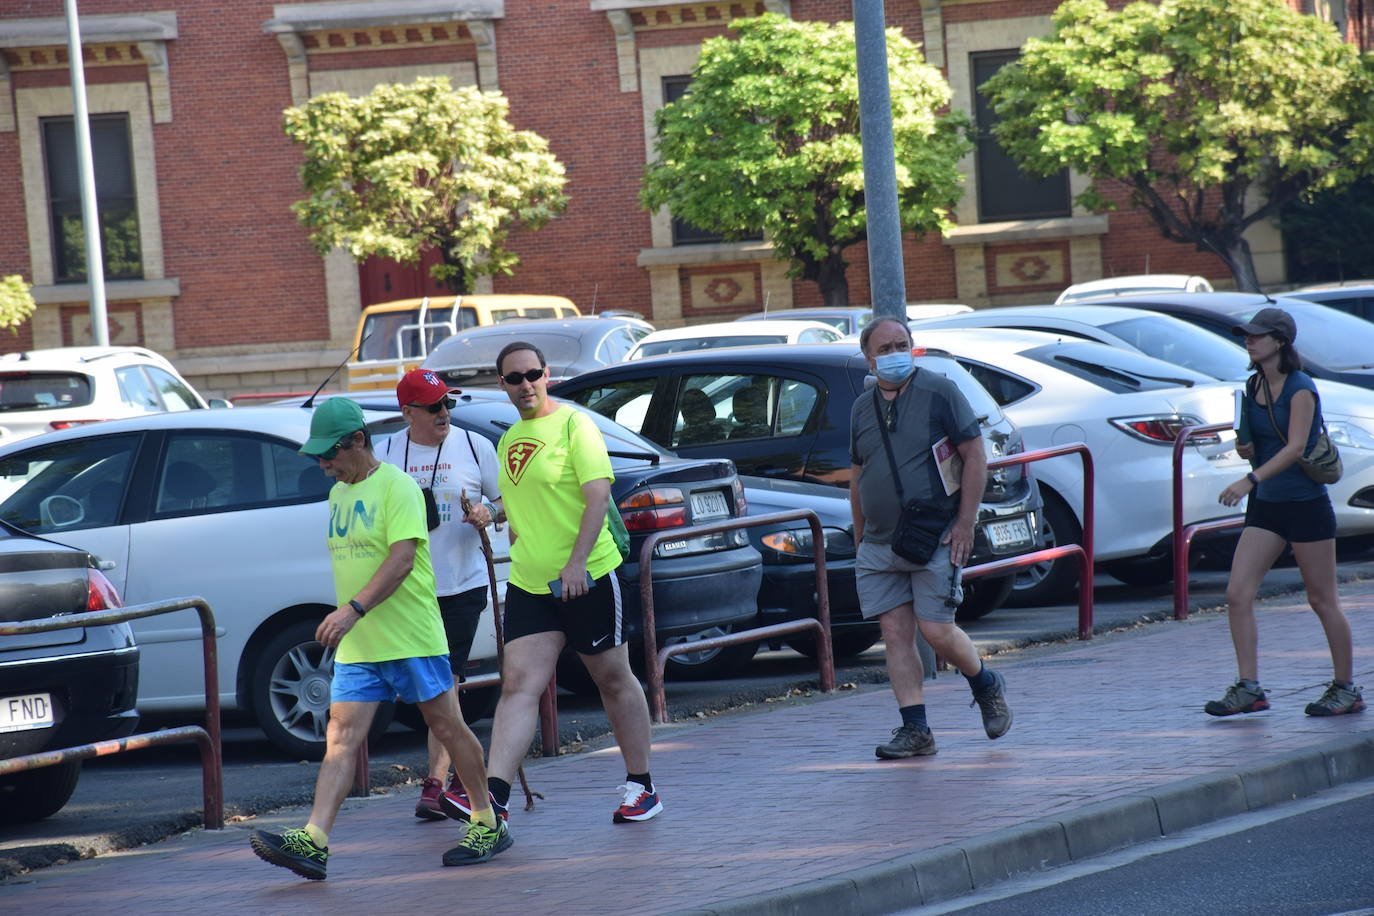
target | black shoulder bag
x=920, y=525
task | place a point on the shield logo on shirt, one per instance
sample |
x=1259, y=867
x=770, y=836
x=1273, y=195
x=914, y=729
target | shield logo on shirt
x=518, y=456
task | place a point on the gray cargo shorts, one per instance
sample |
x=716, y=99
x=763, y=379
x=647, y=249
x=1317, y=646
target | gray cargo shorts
x=887, y=581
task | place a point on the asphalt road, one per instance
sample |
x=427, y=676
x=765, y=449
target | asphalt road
x=129, y=799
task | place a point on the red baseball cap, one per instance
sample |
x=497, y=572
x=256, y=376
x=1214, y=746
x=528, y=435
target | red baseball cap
x=421, y=386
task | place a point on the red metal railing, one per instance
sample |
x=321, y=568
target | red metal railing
x=208, y=738
x=655, y=659
x=1184, y=534
x=1084, y=551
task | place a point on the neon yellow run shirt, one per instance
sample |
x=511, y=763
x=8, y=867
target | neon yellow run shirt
x=365, y=519
x=544, y=463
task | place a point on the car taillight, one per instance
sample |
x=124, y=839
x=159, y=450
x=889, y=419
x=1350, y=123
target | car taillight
x=68, y=424
x=653, y=509
x=1162, y=430
x=741, y=504
x=101, y=595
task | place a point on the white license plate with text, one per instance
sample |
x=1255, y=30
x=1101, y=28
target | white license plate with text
x=1008, y=532
x=26, y=712
x=709, y=505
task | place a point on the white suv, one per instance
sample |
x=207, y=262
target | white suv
x=44, y=390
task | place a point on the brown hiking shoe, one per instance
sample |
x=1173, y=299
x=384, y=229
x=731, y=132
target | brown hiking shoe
x=907, y=741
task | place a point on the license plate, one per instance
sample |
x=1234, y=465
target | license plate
x=21, y=713
x=1008, y=533
x=709, y=505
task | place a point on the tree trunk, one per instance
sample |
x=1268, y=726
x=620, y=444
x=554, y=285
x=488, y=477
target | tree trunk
x=832, y=280
x=1236, y=253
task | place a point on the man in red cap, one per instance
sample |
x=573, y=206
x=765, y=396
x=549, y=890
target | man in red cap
x=446, y=466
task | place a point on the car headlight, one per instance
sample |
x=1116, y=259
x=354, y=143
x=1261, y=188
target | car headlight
x=797, y=542
x=1349, y=434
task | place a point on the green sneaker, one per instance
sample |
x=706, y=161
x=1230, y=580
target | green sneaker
x=294, y=850
x=479, y=844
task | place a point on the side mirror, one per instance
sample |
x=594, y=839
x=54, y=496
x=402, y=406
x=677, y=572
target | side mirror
x=219, y=403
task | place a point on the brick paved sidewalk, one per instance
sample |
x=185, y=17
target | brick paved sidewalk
x=761, y=801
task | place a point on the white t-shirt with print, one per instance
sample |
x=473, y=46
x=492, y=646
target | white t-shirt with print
x=455, y=549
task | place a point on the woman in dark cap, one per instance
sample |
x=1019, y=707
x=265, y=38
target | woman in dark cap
x=1286, y=507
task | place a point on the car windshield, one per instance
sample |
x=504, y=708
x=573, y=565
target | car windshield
x=43, y=390
x=1117, y=371
x=659, y=347
x=479, y=350
x=1331, y=337
x=978, y=398
x=1183, y=344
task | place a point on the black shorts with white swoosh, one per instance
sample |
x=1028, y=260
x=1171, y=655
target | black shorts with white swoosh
x=591, y=623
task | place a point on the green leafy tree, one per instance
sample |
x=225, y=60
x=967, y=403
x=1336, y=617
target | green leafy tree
x=410, y=167
x=767, y=140
x=1211, y=114
x=16, y=303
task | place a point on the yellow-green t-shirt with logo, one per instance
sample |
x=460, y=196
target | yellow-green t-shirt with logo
x=365, y=519
x=544, y=463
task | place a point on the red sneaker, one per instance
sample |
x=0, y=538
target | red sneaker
x=428, y=805
x=639, y=805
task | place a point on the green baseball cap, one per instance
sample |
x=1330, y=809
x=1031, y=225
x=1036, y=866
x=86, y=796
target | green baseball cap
x=331, y=421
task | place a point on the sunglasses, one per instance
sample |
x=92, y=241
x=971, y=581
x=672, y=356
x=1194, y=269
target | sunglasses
x=446, y=403
x=529, y=375
x=343, y=445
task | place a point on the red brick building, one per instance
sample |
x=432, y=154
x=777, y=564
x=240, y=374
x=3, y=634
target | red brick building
x=211, y=268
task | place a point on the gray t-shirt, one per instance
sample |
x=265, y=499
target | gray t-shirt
x=928, y=409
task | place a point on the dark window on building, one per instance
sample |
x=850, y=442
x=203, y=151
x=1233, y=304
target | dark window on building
x=674, y=88
x=116, y=199
x=1004, y=191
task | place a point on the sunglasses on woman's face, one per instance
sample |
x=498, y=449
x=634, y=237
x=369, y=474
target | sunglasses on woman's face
x=529, y=375
x=343, y=444
x=446, y=403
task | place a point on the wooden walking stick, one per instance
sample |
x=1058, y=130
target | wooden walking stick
x=466, y=505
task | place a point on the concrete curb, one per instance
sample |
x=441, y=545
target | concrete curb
x=955, y=869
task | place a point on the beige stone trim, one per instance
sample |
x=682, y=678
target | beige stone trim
x=970, y=276
x=343, y=297
x=654, y=65
x=364, y=14
x=6, y=98
x=624, y=49
x=297, y=67
x=129, y=98
x=52, y=30
x=45, y=324
x=484, y=37
x=1028, y=230
x=155, y=53
x=666, y=295
x=115, y=291
x=361, y=81
x=1085, y=259
x=717, y=253
x=933, y=32
x=776, y=285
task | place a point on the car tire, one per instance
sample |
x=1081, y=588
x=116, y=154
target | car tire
x=1141, y=572
x=1052, y=582
x=32, y=795
x=845, y=643
x=290, y=693
x=708, y=664
x=982, y=596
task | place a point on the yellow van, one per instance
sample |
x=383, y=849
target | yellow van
x=389, y=341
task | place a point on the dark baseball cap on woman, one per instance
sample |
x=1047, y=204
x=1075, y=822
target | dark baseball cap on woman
x=1269, y=321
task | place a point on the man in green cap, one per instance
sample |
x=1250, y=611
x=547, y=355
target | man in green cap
x=387, y=635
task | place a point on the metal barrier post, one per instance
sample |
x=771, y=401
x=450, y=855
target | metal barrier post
x=548, y=719
x=212, y=781
x=1183, y=535
x=655, y=659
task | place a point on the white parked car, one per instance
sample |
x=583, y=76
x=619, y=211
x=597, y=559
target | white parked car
x=1347, y=409
x=1127, y=408
x=733, y=334
x=45, y=390
x=215, y=503
x=1136, y=283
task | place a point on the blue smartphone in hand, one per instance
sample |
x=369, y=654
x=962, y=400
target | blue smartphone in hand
x=556, y=586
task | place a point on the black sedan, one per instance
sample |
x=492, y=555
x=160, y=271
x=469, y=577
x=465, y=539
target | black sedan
x=59, y=688
x=1333, y=344
x=783, y=412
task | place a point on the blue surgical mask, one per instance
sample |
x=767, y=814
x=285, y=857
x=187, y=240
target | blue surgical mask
x=894, y=367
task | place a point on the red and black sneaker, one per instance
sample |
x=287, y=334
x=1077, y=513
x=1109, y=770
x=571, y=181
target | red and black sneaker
x=427, y=807
x=455, y=803
x=639, y=805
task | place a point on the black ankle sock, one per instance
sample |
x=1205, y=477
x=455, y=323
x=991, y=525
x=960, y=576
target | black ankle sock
x=914, y=715
x=499, y=789
x=982, y=680
x=643, y=779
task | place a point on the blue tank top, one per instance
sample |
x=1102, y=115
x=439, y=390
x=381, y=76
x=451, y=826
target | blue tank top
x=1290, y=484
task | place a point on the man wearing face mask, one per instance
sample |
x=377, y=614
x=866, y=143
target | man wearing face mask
x=913, y=410
x=445, y=464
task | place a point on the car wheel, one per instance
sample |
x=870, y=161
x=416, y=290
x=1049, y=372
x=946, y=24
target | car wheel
x=707, y=664
x=290, y=693
x=1142, y=572
x=32, y=795
x=982, y=596
x=845, y=643
x=1052, y=582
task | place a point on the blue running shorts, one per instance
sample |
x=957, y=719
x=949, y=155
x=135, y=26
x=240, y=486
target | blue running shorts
x=413, y=680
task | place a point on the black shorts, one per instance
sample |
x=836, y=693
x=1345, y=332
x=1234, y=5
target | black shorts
x=461, y=613
x=1296, y=522
x=591, y=623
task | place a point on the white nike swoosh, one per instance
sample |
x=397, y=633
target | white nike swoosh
x=597, y=642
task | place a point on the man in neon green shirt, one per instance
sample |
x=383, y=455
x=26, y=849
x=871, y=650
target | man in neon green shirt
x=387, y=635
x=556, y=488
